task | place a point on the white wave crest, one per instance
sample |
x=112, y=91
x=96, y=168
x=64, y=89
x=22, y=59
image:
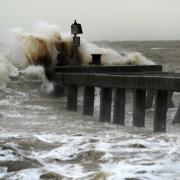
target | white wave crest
x=21, y=50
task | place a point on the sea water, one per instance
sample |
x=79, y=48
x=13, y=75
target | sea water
x=40, y=139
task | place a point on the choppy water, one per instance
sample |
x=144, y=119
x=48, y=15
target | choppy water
x=40, y=139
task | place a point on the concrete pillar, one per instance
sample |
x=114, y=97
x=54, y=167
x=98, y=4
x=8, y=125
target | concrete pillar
x=170, y=100
x=149, y=98
x=177, y=116
x=105, y=105
x=160, y=111
x=72, y=98
x=119, y=106
x=58, y=90
x=88, y=100
x=139, y=103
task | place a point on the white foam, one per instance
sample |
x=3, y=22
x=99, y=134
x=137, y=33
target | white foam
x=27, y=174
x=68, y=170
x=34, y=71
x=160, y=48
x=158, y=159
x=7, y=155
x=163, y=165
x=37, y=72
x=110, y=56
x=7, y=69
x=36, y=107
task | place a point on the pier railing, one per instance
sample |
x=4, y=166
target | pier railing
x=106, y=69
x=108, y=79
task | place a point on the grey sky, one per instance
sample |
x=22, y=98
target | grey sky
x=101, y=19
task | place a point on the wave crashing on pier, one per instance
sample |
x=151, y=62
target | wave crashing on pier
x=22, y=52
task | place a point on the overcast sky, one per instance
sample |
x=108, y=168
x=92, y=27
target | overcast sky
x=100, y=19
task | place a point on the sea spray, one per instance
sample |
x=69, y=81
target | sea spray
x=46, y=37
x=37, y=72
x=112, y=57
x=42, y=46
x=7, y=70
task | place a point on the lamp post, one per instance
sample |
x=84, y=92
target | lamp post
x=75, y=30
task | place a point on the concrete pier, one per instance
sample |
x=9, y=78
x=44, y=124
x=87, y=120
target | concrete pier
x=88, y=100
x=150, y=98
x=177, y=116
x=139, y=106
x=105, y=105
x=72, y=98
x=108, y=78
x=160, y=111
x=140, y=83
x=170, y=101
x=108, y=69
x=119, y=106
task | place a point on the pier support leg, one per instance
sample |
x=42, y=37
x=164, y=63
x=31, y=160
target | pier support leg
x=160, y=111
x=149, y=98
x=139, y=103
x=177, y=116
x=88, y=101
x=105, y=105
x=72, y=98
x=58, y=90
x=119, y=106
x=170, y=101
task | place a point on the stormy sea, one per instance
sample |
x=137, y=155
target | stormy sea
x=40, y=139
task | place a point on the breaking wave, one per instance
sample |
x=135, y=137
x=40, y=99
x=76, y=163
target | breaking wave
x=22, y=53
